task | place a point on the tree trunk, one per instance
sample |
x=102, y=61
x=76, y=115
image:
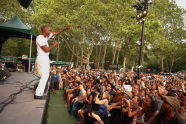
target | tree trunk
x=88, y=58
x=124, y=63
x=58, y=49
x=167, y=66
x=172, y=63
x=132, y=69
x=114, y=55
x=117, y=58
x=104, y=54
x=96, y=57
x=72, y=56
x=77, y=61
x=162, y=64
x=81, y=61
x=99, y=57
x=77, y=58
x=57, y=55
x=88, y=63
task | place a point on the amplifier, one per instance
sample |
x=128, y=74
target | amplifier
x=4, y=73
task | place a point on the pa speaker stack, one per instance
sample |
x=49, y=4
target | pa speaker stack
x=25, y=3
x=4, y=73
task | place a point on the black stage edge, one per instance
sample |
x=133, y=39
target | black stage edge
x=44, y=117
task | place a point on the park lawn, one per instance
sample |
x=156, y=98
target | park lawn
x=57, y=111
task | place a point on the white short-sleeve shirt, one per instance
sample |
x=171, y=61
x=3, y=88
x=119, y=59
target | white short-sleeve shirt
x=42, y=41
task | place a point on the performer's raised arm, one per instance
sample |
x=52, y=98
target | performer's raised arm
x=62, y=30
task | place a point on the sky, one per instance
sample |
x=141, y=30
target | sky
x=181, y=3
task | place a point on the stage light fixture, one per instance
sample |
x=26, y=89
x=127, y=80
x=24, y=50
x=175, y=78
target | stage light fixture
x=142, y=11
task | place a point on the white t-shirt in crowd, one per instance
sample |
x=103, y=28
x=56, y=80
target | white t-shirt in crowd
x=42, y=41
x=81, y=94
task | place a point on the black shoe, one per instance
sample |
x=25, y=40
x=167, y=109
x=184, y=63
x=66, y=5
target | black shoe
x=44, y=97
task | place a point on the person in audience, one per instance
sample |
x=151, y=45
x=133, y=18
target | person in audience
x=110, y=97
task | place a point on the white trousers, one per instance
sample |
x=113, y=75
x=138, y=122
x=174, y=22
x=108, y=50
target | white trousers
x=43, y=66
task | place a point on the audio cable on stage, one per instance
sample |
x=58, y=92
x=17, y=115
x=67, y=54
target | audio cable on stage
x=12, y=97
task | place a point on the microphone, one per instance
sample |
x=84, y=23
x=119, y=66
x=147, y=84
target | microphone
x=54, y=38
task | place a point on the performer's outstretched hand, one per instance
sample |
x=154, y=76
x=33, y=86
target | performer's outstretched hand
x=62, y=30
x=68, y=27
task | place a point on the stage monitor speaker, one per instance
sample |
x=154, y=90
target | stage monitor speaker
x=25, y=3
x=4, y=74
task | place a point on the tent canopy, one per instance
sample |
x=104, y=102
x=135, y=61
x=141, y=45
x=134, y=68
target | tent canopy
x=9, y=59
x=61, y=63
x=15, y=28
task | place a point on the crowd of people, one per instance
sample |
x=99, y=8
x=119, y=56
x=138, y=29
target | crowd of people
x=117, y=97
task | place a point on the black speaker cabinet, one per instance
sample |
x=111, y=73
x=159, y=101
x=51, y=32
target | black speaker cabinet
x=25, y=3
x=4, y=74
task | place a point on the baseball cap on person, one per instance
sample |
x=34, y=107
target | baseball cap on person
x=117, y=88
x=128, y=93
x=173, y=101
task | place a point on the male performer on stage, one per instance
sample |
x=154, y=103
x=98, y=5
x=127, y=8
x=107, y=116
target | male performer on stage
x=42, y=60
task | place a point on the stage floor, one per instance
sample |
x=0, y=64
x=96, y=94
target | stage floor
x=24, y=109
